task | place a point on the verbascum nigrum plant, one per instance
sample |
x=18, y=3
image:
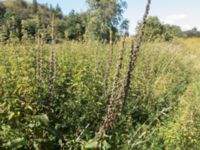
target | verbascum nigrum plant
x=114, y=108
x=52, y=69
x=39, y=73
x=117, y=74
x=110, y=62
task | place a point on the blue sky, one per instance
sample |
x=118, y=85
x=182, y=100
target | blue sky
x=184, y=13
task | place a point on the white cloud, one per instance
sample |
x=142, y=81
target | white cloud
x=181, y=20
x=186, y=26
x=174, y=18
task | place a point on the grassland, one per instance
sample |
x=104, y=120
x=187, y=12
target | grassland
x=162, y=110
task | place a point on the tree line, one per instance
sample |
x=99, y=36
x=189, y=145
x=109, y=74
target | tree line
x=156, y=30
x=20, y=20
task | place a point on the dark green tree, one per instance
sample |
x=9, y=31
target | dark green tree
x=170, y=31
x=29, y=29
x=104, y=16
x=155, y=30
x=16, y=28
x=35, y=6
x=60, y=27
x=192, y=33
x=2, y=11
x=124, y=27
x=58, y=11
x=5, y=33
x=76, y=24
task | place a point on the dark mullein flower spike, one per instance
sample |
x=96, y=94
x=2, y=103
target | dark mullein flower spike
x=112, y=102
x=110, y=62
x=118, y=101
x=134, y=53
x=52, y=68
x=37, y=59
x=40, y=66
x=118, y=70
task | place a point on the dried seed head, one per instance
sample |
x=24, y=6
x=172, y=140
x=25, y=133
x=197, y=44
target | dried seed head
x=115, y=106
x=52, y=67
x=110, y=63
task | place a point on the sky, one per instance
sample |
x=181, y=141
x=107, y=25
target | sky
x=184, y=13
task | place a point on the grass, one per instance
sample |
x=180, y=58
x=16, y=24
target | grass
x=161, y=110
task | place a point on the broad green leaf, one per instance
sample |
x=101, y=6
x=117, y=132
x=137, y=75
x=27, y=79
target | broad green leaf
x=43, y=119
x=11, y=115
x=91, y=144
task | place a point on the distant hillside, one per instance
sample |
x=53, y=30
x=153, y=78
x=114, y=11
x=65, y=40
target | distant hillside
x=24, y=20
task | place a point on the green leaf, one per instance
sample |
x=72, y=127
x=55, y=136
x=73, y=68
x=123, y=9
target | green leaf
x=36, y=146
x=106, y=145
x=91, y=144
x=29, y=107
x=18, y=142
x=11, y=115
x=43, y=119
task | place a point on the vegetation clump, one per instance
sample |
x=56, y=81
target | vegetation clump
x=60, y=90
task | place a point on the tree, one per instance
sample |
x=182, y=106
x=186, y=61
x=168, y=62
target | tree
x=192, y=33
x=5, y=33
x=170, y=31
x=16, y=28
x=51, y=8
x=124, y=27
x=155, y=30
x=2, y=11
x=76, y=24
x=29, y=29
x=60, y=27
x=35, y=6
x=103, y=16
x=58, y=11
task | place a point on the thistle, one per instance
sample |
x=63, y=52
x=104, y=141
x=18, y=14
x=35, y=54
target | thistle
x=115, y=106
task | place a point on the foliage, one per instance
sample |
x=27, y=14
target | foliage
x=76, y=25
x=192, y=33
x=104, y=16
x=2, y=11
x=56, y=97
x=155, y=30
x=161, y=112
x=32, y=19
x=35, y=6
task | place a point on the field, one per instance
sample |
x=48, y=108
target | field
x=162, y=110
